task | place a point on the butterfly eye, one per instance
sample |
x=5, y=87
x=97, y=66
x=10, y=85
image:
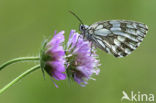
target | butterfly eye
x=82, y=27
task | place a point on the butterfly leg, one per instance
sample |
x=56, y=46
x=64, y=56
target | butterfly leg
x=77, y=39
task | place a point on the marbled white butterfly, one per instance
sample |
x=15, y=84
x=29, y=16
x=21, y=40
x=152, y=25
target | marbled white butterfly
x=117, y=37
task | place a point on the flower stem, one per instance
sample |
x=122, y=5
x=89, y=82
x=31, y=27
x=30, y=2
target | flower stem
x=18, y=60
x=19, y=77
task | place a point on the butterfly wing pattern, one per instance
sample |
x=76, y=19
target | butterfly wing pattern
x=117, y=37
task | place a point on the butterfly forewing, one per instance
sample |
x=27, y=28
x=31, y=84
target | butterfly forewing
x=118, y=37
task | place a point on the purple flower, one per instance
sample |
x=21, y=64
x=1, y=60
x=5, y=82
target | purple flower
x=82, y=63
x=52, y=57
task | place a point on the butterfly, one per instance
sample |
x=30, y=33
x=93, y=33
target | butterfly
x=116, y=37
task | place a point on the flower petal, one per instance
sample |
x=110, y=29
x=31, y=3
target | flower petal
x=57, y=66
x=57, y=39
x=59, y=76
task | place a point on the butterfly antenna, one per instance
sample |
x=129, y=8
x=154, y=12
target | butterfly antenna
x=79, y=21
x=76, y=17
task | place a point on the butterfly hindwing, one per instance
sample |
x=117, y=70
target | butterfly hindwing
x=118, y=37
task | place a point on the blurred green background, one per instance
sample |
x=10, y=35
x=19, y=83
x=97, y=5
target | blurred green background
x=25, y=23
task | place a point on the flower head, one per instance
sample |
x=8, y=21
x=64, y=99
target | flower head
x=82, y=62
x=52, y=57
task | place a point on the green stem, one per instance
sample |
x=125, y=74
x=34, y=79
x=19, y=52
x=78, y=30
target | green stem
x=18, y=60
x=19, y=77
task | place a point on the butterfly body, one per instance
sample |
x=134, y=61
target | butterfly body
x=117, y=37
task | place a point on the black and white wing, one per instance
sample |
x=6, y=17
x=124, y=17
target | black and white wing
x=118, y=37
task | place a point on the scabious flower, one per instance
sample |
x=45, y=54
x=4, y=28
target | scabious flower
x=82, y=62
x=52, y=57
x=79, y=61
